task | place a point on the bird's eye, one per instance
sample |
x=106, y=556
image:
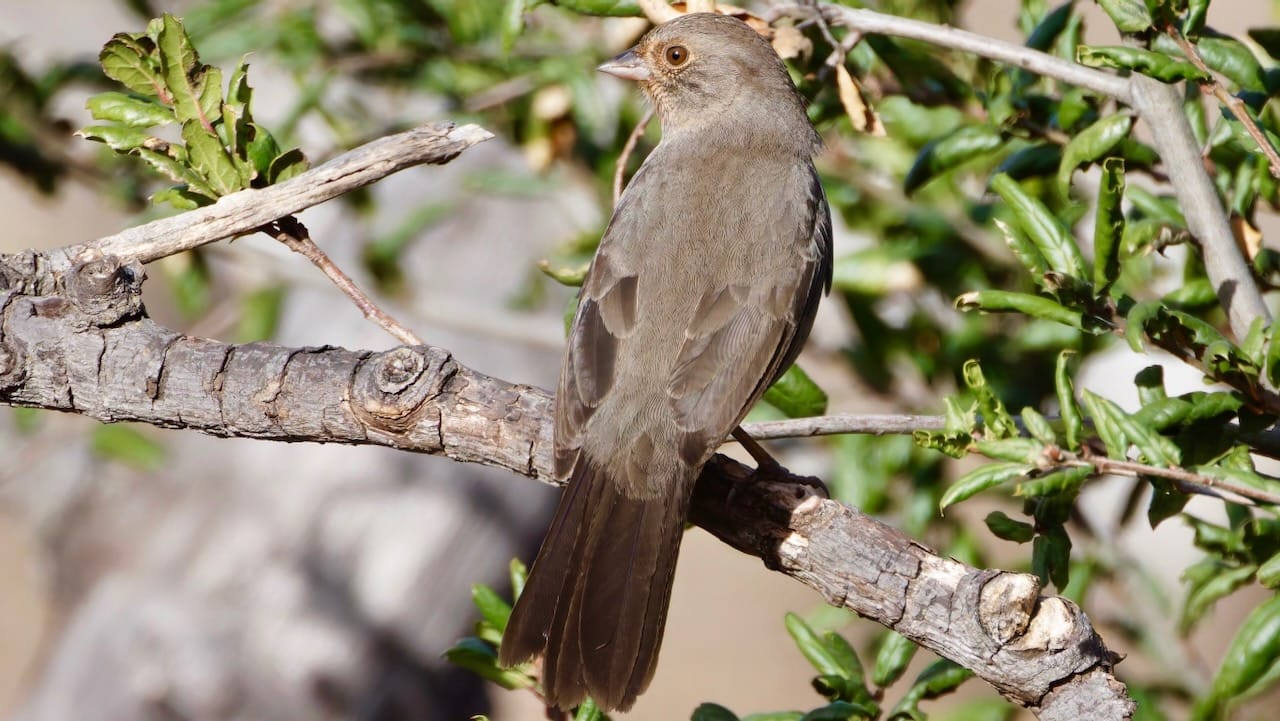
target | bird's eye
x=676, y=55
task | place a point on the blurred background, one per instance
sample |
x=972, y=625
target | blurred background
x=168, y=575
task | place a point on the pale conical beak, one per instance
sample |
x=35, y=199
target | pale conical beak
x=627, y=66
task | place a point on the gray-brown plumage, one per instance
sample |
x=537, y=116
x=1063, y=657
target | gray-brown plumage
x=701, y=293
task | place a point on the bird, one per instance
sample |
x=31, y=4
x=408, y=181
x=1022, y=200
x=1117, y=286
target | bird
x=701, y=293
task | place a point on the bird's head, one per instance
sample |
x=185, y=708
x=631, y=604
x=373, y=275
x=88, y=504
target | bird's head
x=705, y=69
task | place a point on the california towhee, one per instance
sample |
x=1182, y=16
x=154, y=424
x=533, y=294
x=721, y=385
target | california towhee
x=701, y=294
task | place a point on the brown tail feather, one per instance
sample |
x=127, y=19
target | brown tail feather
x=596, y=600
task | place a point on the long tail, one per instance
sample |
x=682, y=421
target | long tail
x=595, y=603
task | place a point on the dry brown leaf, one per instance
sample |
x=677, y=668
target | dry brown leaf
x=789, y=42
x=860, y=112
x=1248, y=238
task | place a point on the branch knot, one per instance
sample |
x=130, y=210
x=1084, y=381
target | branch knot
x=391, y=390
x=106, y=291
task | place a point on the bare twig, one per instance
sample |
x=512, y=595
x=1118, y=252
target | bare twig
x=248, y=210
x=295, y=236
x=1235, y=104
x=620, y=170
x=873, y=424
x=1195, y=482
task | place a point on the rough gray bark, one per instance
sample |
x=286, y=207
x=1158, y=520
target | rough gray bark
x=75, y=337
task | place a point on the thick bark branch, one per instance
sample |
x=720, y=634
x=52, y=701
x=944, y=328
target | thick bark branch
x=89, y=348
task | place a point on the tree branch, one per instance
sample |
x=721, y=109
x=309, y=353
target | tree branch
x=86, y=346
x=248, y=210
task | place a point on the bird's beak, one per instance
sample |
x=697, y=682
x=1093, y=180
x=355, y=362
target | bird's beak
x=627, y=66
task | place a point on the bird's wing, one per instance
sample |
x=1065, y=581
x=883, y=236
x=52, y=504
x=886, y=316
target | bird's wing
x=606, y=314
x=744, y=336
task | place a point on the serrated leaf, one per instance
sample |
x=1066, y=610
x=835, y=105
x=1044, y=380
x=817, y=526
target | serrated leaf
x=990, y=300
x=1038, y=426
x=128, y=110
x=1108, y=228
x=1157, y=65
x=796, y=395
x=1068, y=407
x=210, y=159
x=1017, y=450
x=981, y=479
x=1106, y=417
x=1092, y=143
x=182, y=72
x=1051, y=238
x=1063, y=481
x=176, y=171
x=128, y=61
x=116, y=137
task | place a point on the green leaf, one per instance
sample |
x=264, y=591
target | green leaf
x=1253, y=652
x=1226, y=55
x=1051, y=557
x=183, y=74
x=261, y=149
x=210, y=159
x=128, y=445
x=1202, y=596
x=128, y=110
x=589, y=711
x=1108, y=229
x=1068, y=408
x=1107, y=417
x=608, y=8
x=1053, y=240
x=287, y=165
x=512, y=24
x=813, y=648
x=842, y=711
x=707, y=711
x=1005, y=301
x=519, y=574
x=796, y=395
x=1049, y=28
x=1194, y=22
x=1017, y=450
x=1033, y=160
x=1007, y=528
x=1130, y=16
x=493, y=608
x=129, y=61
x=892, y=659
x=996, y=421
x=1157, y=65
x=980, y=479
x=1062, y=481
x=176, y=171
x=180, y=199
x=1092, y=143
x=116, y=137
x=1038, y=426
x=481, y=659
x=259, y=314
x=1025, y=251
x=964, y=144
x=1269, y=572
